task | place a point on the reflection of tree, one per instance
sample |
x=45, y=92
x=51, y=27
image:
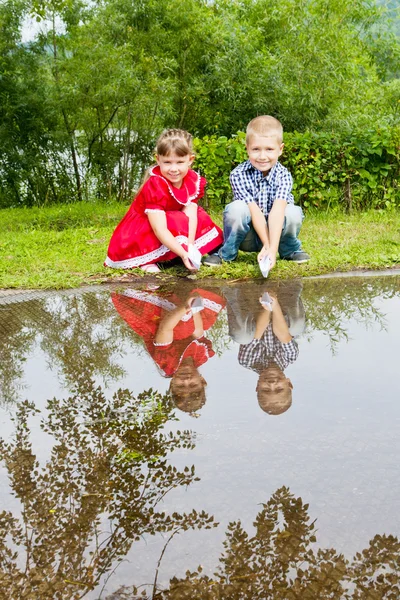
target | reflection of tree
x=330, y=303
x=280, y=562
x=76, y=332
x=108, y=460
x=80, y=332
x=16, y=342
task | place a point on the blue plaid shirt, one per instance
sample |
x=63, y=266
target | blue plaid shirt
x=259, y=354
x=249, y=185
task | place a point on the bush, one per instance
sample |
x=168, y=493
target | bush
x=359, y=171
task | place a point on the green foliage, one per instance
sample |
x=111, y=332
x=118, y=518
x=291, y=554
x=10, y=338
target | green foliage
x=82, y=103
x=359, y=171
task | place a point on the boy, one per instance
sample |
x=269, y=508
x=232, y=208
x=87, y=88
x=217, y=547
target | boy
x=262, y=216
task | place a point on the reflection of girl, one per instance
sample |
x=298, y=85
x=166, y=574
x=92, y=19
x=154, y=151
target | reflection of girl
x=174, y=337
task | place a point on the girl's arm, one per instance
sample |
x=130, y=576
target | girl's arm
x=165, y=331
x=158, y=222
x=191, y=212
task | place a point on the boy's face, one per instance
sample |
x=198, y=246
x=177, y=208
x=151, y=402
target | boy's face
x=274, y=390
x=263, y=151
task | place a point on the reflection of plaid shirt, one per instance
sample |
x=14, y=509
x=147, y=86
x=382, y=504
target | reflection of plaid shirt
x=249, y=184
x=259, y=354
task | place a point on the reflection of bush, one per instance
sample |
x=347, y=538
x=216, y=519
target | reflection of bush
x=109, y=460
x=218, y=334
x=280, y=562
x=331, y=303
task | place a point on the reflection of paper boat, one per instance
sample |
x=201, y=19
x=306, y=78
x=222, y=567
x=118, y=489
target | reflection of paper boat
x=197, y=305
x=194, y=256
x=265, y=265
x=266, y=300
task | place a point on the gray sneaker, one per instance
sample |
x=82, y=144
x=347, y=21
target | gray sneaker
x=298, y=257
x=212, y=260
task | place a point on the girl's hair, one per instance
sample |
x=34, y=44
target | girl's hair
x=171, y=140
x=174, y=140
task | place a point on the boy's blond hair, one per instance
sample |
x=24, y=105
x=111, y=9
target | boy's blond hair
x=273, y=404
x=264, y=125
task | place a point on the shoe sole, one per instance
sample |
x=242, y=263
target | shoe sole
x=206, y=264
x=300, y=262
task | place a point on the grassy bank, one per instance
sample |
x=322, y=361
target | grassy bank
x=64, y=246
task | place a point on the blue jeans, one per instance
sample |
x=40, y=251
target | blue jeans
x=239, y=232
x=242, y=303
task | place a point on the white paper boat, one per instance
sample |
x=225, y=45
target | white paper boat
x=266, y=300
x=194, y=256
x=197, y=305
x=265, y=265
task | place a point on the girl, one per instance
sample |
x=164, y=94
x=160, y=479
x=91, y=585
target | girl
x=164, y=217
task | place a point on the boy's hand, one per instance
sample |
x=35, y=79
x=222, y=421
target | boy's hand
x=273, y=302
x=265, y=251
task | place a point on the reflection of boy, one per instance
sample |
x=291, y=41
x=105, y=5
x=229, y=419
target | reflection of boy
x=262, y=216
x=269, y=353
x=266, y=338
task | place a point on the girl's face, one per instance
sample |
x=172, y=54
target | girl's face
x=174, y=167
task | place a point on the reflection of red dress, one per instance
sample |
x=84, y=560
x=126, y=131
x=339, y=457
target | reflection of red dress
x=134, y=243
x=143, y=311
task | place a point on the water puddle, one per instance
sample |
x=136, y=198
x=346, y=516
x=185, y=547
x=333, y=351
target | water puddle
x=188, y=441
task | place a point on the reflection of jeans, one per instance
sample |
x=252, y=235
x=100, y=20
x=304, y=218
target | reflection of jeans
x=243, y=305
x=240, y=233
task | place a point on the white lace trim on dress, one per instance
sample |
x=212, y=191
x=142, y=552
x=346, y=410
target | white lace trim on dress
x=170, y=188
x=147, y=210
x=150, y=298
x=212, y=305
x=138, y=261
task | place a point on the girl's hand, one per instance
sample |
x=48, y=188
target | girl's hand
x=188, y=302
x=187, y=263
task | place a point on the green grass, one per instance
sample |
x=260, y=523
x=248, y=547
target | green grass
x=65, y=246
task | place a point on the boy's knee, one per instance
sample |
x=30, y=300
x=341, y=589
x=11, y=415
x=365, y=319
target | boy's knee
x=293, y=215
x=236, y=211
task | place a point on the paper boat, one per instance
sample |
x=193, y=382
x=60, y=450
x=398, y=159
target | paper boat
x=265, y=265
x=197, y=305
x=194, y=256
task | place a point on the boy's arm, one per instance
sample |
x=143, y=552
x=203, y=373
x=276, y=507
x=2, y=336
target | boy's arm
x=279, y=325
x=276, y=216
x=262, y=322
x=275, y=225
x=259, y=223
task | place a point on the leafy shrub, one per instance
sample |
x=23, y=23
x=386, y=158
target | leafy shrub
x=358, y=171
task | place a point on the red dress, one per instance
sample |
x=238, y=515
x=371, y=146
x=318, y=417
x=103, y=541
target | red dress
x=143, y=310
x=134, y=244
